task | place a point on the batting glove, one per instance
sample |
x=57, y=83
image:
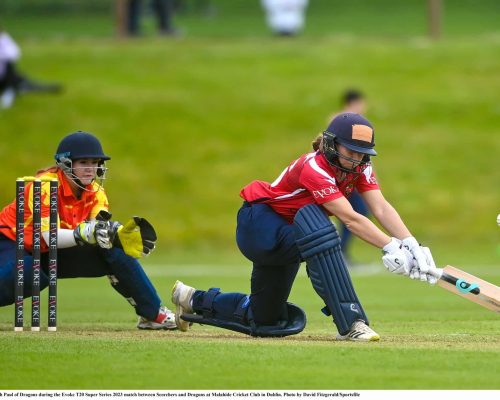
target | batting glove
x=397, y=259
x=411, y=244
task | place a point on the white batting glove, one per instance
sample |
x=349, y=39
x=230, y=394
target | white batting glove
x=393, y=246
x=423, y=277
x=433, y=270
x=434, y=273
x=397, y=259
x=411, y=244
x=431, y=279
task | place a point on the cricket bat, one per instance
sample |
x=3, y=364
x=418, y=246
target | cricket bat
x=470, y=287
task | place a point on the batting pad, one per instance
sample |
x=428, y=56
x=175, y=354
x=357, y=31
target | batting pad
x=319, y=245
x=295, y=323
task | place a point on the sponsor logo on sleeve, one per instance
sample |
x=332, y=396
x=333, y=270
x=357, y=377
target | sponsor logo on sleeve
x=325, y=192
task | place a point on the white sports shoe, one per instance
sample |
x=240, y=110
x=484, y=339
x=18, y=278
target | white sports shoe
x=182, y=296
x=360, y=332
x=167, y=323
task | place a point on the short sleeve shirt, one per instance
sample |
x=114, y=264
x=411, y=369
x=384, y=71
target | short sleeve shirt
x=309, y=179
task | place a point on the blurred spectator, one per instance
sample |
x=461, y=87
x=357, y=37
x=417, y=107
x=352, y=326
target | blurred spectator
x=163, y=10
x=354, y=101
x=204, y=7
x=285, y=17
x=12, y=82
x=9, y=54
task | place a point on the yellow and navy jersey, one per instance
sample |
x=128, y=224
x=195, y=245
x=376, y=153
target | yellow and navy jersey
x=72, y=210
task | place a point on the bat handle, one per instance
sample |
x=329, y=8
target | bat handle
x=457, y=282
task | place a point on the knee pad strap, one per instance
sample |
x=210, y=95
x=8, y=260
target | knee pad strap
x=243, y=310
x=208, y=300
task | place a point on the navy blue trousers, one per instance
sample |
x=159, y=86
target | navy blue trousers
x=126, y=274
x=268, y=240
x=162, y=8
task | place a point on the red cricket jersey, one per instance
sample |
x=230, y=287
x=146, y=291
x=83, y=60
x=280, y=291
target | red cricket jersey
x=307, y=180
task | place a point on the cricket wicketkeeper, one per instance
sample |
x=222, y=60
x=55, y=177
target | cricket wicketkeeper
x=283, y=223
x=90, y=244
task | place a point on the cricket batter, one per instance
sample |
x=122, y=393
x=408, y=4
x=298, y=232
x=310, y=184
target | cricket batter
x=283, y=223
x=89, y=243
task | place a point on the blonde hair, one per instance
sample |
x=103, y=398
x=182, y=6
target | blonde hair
x=53, y=168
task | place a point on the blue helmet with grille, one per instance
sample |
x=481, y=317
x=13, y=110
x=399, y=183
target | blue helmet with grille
x=78, y=145
x=354, y=132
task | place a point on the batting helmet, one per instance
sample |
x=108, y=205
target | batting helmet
x=353, y=132
x=76, y=146
x=80, y=145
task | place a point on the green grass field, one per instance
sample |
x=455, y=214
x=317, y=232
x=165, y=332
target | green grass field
x=189, y=121
x=431, y=339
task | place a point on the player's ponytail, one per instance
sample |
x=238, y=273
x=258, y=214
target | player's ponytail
x=316, y=143
x=42, y=171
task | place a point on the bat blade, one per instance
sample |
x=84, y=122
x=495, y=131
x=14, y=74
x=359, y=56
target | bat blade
x=471, y=288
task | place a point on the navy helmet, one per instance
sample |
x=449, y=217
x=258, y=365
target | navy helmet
x=78, y=145
x=352, y=131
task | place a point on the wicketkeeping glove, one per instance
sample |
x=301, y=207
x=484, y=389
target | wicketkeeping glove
x=94, y=232
x=137, y=237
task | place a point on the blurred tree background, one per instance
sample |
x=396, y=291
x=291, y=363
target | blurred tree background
x=190, y=120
